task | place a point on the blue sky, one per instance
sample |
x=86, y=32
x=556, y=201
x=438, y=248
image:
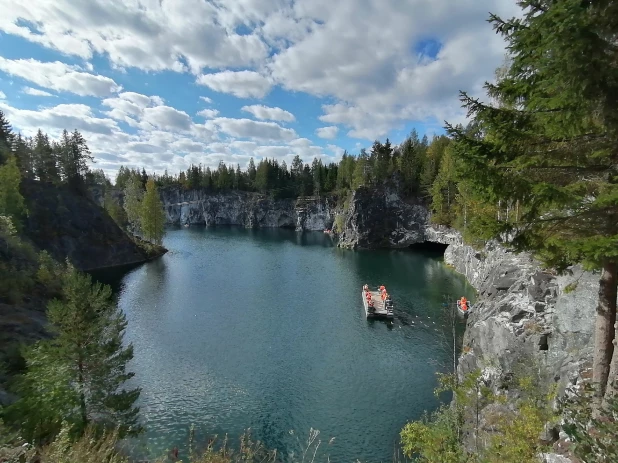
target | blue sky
x=164, y=84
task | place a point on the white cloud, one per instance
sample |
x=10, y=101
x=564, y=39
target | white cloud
x=268, y=113
x=36, y=92
x=60, y=77
x=167, y=118
x=247, y=128
x=56, y=118
x=327, y=132
x=206, y=99
x=150, y=35
x=243, y=84
x=208, y=113
x=2, y=95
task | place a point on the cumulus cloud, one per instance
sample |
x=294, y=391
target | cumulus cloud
x=35, y=92
x=148, y=35
x=327, y=132
x=268, y=113
x=208, y=113
x=206, y=99
x=2, y=95
x=243, y=84
x=247, y=128
x=56, y=118
x=167, y=118
x=60, y=77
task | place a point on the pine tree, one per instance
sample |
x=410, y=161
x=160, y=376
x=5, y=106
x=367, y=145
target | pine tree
x=6, y=138
x=152, y=214
x=11, y=201
x=25, y=161
x=551, y=147
x=45, y=162
x=133, y=196
x=73, y=158
x=78, y=375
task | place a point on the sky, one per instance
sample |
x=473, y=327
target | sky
x=169, y=83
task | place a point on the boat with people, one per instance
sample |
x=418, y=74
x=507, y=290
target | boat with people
x=377, y=304
x=464, y=306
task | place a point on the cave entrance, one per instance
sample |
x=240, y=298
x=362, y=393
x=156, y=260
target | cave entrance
x=429, y=248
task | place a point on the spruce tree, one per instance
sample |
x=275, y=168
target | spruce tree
x=11, y=201
x=152, y=214
x=6, y=138
x=78, y=376
x=551, y=147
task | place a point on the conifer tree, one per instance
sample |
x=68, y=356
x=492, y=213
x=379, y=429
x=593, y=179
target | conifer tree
x=551, y=147
x=23, y=153
x=78, y=375
x=45, y=163
x=11, y=201
x=152, y=214
x=6, y=138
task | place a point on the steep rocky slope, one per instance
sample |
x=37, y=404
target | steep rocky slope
x=71, y=226
x=250, y=210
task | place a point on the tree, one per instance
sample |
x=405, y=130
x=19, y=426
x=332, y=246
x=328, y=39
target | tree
x=45, y=159
x=443, y=190
x=551, y=145
x=152, y=214
x=113, y=208
x=78, y=375
x=11, y=201
x=6, y=138
x=73, y=158
x=133, y=195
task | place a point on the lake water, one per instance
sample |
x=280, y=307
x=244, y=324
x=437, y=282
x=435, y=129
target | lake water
x=264, y=329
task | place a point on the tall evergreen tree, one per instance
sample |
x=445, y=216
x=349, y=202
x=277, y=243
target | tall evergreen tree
x=45, y=162
x=11, y=201
x=78, y=375
x=23, y=153
x=73, y=158
x=551, y=146
x=6, y=138
x=152, y=214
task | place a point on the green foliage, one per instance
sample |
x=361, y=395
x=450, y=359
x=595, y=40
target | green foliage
x=133, y=196
x=114, y=209
x=11, y=201
x=593, y=436
x=77, y=377
x=18, y=263
x=515, y=429
x=152, y=215
x=435, y=438
x=49, y=273
x=550, y=146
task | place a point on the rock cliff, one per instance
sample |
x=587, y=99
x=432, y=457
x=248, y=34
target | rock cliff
x=71, y=226
x=250, y=210
x=381, y=219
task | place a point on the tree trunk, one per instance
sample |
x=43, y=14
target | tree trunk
x=82, y=396
x=609, y=288
x=604, y=330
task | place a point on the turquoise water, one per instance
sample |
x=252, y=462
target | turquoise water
x=264, y=329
